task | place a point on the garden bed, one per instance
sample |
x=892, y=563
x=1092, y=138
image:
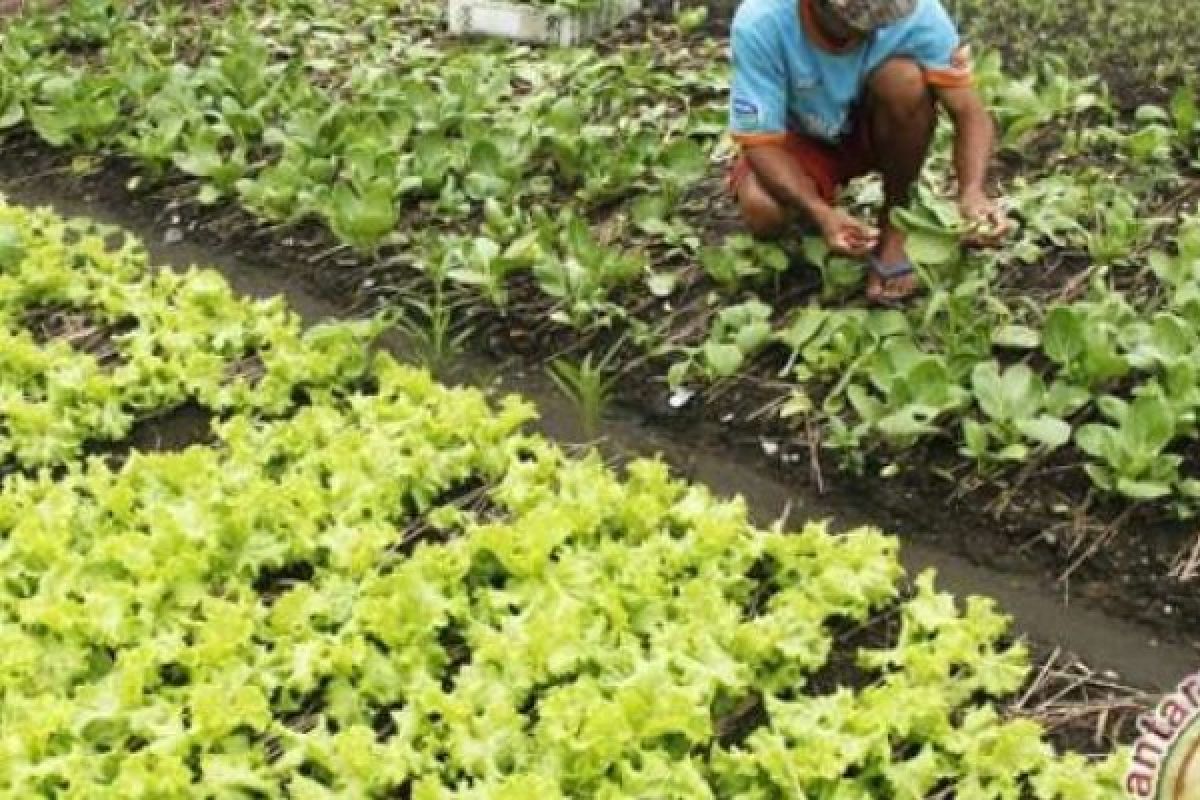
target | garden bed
x=729, y=463
x=645, y=263
x=388, y=587
x=982, y=521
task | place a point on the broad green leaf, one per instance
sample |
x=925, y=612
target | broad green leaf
x=1064, y=338
x=752, y=336
x=649, y=212
x=1013, y=452
x=362, y=217
x=1150, y=424
x=975, y=438
x=988, y=387
x=684, y=162
x=885, y=324
x=13, y=115
x=1063, y=399
x=1143, y=490
x=1046, y=430
x=913, y=420
x=1019, y=337
x=931, y=249
x=1098, y=441
x=723, y=360
x=803, y=326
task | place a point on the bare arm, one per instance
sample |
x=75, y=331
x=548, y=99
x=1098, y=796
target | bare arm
x=974, y=137
x=793, y=188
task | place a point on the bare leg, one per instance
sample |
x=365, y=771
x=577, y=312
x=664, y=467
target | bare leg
x=762, y=213
x=763, y=209
x=902, y=115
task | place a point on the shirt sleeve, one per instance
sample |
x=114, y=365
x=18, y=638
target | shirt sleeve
x=758, y=95
x=934, y=43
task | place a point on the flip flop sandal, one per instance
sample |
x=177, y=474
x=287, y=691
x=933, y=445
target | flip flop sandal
x=889, y=272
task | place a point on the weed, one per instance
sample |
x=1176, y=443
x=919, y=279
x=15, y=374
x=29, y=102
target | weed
x=589, y=385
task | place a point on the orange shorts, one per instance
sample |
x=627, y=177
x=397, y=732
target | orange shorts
x=831, y=166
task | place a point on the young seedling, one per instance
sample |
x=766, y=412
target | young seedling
x=1019, y=414
x=1130, y=455
x=589, y=385
x=434, y=329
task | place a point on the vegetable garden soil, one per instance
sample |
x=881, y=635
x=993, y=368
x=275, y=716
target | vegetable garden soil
x=1017, y=550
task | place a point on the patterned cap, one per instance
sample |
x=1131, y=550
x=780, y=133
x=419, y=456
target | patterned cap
x=867, y=15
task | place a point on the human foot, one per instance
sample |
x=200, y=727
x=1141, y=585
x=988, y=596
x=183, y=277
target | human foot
x=890, y=283
x=891, y=278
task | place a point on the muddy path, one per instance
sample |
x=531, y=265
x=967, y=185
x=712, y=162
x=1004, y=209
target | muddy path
x=1141, y=655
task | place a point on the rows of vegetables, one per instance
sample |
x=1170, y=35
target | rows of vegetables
x=364, y=584
x=582, y=182
x=93, y=343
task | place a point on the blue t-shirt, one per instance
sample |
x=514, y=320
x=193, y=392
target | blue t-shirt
x=783, y=80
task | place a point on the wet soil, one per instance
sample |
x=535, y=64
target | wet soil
x=1110, y=614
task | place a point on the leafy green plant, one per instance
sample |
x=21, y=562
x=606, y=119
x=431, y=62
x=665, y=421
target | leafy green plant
x=586, y=271
x=209, y=153
x=1025, y=105
x=679, y=166
x=741, y=257
x=1118, y=230
x=737, y=333
x=362, y=215
x=1164, y=342
x=281, y=192
x=908, y=392
x=1019, y=414
x=1179, y=273
x=1082, y=339
x=189, y=339
x=967, y=320
x=690, y=20
x=933, y=231
x=651, y=213
x=12, y=112
x=74, y=108
x=836, y=344
x=1154, y=137
x=494, y=163
x=839, y=275
x=1130, y=455
x=480, y=263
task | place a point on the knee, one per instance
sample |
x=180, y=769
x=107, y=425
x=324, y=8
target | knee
x=898, y=87
x=760, y=212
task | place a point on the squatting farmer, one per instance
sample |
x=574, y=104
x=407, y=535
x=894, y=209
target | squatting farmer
x=824, y=91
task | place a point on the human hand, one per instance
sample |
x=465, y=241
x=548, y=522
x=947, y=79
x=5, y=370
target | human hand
x=846, y=235
x=989, y=225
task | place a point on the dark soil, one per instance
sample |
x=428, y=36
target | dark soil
x=167, y=432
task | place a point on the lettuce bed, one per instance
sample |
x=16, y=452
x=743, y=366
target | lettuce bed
x=390, y=590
